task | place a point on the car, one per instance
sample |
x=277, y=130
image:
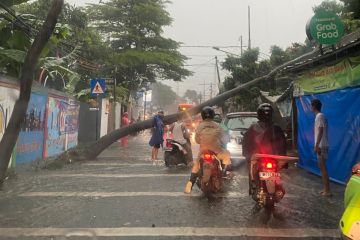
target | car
x=236, y=125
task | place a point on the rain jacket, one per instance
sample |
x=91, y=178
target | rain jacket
x=210, y=135
x=157, y=137
x=260, y=138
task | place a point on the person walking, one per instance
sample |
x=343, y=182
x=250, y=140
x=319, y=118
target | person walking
x=321, y=144
x=125, y=122
x=157, y=137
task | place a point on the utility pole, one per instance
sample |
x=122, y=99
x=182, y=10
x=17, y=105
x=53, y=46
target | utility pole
x=217, y=71
x=204, y=90
x=211, y=90
x=241, y=44
x=145, y=92
x=115, y=98
x=249, y=44
x=205, y=84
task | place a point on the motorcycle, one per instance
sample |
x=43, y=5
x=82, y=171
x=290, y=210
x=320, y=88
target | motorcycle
x=350, y=221
x=211, y=173
x=265, y=170
x=175, y=153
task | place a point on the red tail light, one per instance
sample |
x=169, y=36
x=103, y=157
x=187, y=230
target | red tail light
x=208, y=157
x=269, y=164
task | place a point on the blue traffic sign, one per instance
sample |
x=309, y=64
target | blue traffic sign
x=98, y=87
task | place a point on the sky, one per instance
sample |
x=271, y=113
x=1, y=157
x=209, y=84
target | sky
x=221, y=23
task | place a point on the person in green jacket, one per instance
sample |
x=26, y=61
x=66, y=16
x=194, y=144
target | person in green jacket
x=350, y=221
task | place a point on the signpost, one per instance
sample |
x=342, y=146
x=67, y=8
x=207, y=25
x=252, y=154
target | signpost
x=325, y=28
x=98, y=87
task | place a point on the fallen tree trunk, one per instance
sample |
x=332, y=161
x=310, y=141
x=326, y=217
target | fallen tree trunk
x=95, y=149
x=12, y=131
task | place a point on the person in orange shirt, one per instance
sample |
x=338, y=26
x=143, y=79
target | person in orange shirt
x=125, y=122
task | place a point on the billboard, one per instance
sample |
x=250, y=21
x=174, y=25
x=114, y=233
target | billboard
x=324, y=79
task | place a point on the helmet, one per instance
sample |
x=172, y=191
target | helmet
x=265, y=112
x=207, y=113
x=217, y=118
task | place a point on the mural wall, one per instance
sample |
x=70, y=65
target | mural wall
x=50, y=126
x=31, y=138
x=62, y=125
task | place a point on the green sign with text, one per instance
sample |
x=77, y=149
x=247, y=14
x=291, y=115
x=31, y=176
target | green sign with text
x=324, y=79
x=326, y=28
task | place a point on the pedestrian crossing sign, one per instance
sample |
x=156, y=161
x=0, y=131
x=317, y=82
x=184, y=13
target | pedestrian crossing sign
x=98, y=87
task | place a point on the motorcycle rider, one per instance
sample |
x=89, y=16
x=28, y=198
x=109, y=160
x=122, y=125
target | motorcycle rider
x=263, y=137
x=182, y=136
x=209, y=135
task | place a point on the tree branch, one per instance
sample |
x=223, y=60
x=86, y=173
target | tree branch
x=11, y=134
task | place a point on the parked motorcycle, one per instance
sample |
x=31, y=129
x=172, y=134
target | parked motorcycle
x=211, y=173
x=265, y=170
x=350, y=221
x=175, y=153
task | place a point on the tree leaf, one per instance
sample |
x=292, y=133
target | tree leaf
x=14, y=54
x=10, y=3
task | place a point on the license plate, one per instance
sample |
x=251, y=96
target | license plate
x=269, y=175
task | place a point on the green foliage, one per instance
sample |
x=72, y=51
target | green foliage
x=348, y=10
x=278, y=56
x=244, y=69
x=122, y=39
x=192, y=95
x=10, y=3
x=329, y=5
x=134, y=31
x=162, y=95
x=352, y=7
x=247, y=67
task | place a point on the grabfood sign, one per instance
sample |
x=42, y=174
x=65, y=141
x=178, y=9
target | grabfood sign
x=325, y=28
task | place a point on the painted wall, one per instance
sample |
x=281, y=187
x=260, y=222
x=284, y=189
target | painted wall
x=50, y=126
x=55, y=140
x=117, y=115
x=62, y=125
x=105, y=108
x=31, y=138
x=72, y=123
x=8, y=97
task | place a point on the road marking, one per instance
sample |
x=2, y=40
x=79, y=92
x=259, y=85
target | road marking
x=110, y=175
x=115, y=175
x=170, y=232
x=133, y=194
x=116, y=164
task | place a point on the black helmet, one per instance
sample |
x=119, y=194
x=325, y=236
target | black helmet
x=265, y=112
x=207, y=113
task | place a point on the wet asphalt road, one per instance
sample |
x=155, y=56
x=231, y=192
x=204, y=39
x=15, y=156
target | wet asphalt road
x=123, y=196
